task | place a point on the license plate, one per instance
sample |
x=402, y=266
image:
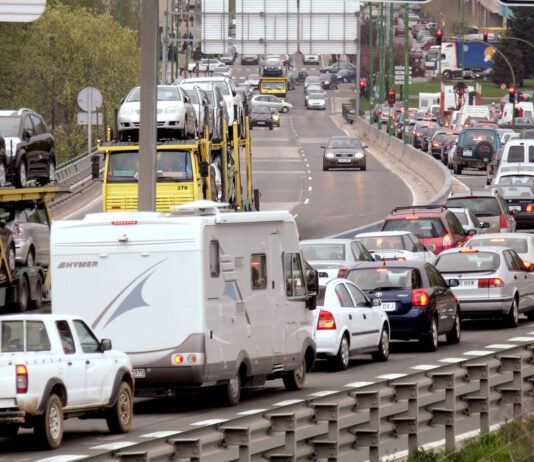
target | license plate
x=514, y=207
x=260, y=123
x=388, y=306
x=344, y=160
x=139, y=373
x=468, y=283
x=468, y=152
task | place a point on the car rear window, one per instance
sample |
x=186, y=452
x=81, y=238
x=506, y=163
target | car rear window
x=423, y=228
x=384, y=278
x=516, y=179
x=381, y=242
x=314, y=252
x=515, y=191
x=481, y=206
x=516, y=154
x=462, y=217
x=473, y=137
x=467, y=262
x=518, y=244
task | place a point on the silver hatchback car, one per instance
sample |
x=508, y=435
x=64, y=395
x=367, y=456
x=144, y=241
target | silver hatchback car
x=493, y=282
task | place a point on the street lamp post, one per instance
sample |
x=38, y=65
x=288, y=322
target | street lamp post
x=371, y=64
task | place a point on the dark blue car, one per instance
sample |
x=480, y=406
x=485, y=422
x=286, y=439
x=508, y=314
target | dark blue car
x=419, y=303
x=346, y=75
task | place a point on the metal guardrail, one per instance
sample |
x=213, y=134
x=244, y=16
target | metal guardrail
x=348, y=112
x=76, y=169
x=366, y=422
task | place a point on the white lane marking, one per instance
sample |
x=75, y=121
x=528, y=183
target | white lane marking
x=309, y=188
x=263, y=172
x=288, y=402
x=310, y=178
x=114, y=446
x=162, y=434
x=208, y=422
x=521, y=339
x=308, y=165
x=530, y=333
x=309, y=171
x=252, y=411
x=63, y=458
x=478, y=352
x=318, y=394
x=451, y=360
x=358, y=384
x=425, y=367
x=391, y=376
x=501, y=345
x=307, y=201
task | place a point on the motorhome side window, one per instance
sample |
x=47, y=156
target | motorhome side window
x=294, y=277
x=258, y=271
x=214, y=259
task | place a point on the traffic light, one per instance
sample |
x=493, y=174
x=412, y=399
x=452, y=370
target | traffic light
x=391, y=97
x=485, y=36
x=511, y=94
x=362, y=87
x=439, y=35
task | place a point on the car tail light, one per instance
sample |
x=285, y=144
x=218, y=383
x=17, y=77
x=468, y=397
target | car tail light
x=527, y=264
x=401, y=259
x=491, y=282
x=22, y=378
x=342, y=273
x=419, y=297
x=503, y=223
x=459, y=150
x=124, y=222
x=326, y=321
x=435, y=144
x=530, y=207
x=447, y=240
x=18, y=231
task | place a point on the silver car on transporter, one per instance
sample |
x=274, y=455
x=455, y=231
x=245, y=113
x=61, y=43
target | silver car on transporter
x=493, y=282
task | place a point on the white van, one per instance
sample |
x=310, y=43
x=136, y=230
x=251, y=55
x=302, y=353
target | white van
x=526, y=107
x=471, y=111
x=517, y=153
x=196, y=297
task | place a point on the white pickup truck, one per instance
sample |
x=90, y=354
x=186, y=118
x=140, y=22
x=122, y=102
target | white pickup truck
x=53, y=367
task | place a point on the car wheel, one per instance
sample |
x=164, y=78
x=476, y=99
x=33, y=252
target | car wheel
x=3, y=174
x=383, y=346
x=285, y=109
x=24, y=295
x=295, y=379
x=325, y=168
x=363, y=167
x=457, y=169
x=341, y=361
x=119, y=417
x=49, y=426
x=270, y=126
x=231, y=391
x=430, y=340
x=21, y=179
x=37, y=302
x=512, y=317
x=454, y=335
x=11, y=260
x=447, y=75
x=51, y=172
x=30, y=259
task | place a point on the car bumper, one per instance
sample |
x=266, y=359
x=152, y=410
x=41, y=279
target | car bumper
x=260, y=123
x=413, y=324
x=162, y=122
x=484, y=306
x=467, y=162
x=316, y=106
x=352, y=162
x=327, y=342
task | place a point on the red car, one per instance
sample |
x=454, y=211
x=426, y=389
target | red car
x=436, y=226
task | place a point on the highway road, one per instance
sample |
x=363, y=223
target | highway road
x=288, y=171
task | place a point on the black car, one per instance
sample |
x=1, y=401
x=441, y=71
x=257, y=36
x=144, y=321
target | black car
x=344, y=152
x=249, y=59
x=520, y=200
x=329, y=81
x=272, y=67
x=261, y=116
x=29, y=147
x=419, y=302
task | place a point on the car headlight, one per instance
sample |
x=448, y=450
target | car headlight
x=329, y=155
x=359, y=155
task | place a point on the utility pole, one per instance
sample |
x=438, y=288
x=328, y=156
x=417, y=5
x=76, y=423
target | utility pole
x=165, y=52
x=380, y=61
x=406, y=72
x=357, y=80
x=371, y=64
x=186, y=68
x=391, y=62
x=462, y=12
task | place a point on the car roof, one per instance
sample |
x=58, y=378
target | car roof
x=480, y=193
x=502, y=235
x=383, y=233
x=326, y=241
x=437, y=210
x=482, y=248
x=390, y=264
x=343, y=137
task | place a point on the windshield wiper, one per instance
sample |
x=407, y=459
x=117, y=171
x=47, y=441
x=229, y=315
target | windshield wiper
x=387, y=288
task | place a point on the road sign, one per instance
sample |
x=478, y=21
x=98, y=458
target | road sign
x=503, y=86
x=21, y=10
x=96, y=118
x=400, y=81
x=90, y=99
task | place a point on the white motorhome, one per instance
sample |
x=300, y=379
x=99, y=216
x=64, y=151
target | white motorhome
x=471, y=111
x=195, y=297
x=428, y=99
x=525, y=108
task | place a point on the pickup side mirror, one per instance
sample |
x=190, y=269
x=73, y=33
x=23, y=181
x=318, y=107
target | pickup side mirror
x=430, y=247
x=453, y=282
x=105, y=344
x=95, y=166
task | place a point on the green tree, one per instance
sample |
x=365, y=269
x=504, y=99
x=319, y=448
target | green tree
x=501, y=70
x=65, y=50
x=521, y=25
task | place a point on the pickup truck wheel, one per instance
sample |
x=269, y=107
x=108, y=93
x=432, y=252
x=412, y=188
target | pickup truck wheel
x=49, y=427
x=295, y=380
x=37, y=302
x=119, y=417
x=8, y=430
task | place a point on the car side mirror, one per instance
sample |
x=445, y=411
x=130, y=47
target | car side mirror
x=28, y=133
x=122, y=100
x=376, y=302
x=323, y=146
x=453, y=282
x=95, y=166
x=364, y=146
x=471, y=232
x=430, y=247
x=204, y=168
x=105, y=344
x=484, y=225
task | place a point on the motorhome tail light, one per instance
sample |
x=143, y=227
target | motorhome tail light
x=22, y=378
x=177, y=359
x=419, y=297
x=342, y=273
x=401, y=259
x=124, y=222
x=326, y=321
x=503, y=223
x=491, y=282
x=447, y=240
x=530, y=207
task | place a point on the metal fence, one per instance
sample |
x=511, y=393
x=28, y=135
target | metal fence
x=367, y=421
x=76, y=170
x=348, y=112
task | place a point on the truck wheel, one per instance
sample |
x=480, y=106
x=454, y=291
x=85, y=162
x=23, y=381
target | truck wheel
x=231, y=391
x=37, y=302
x=49, y=426
x=295, y=379
x=119, y=417
x=23, y=292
